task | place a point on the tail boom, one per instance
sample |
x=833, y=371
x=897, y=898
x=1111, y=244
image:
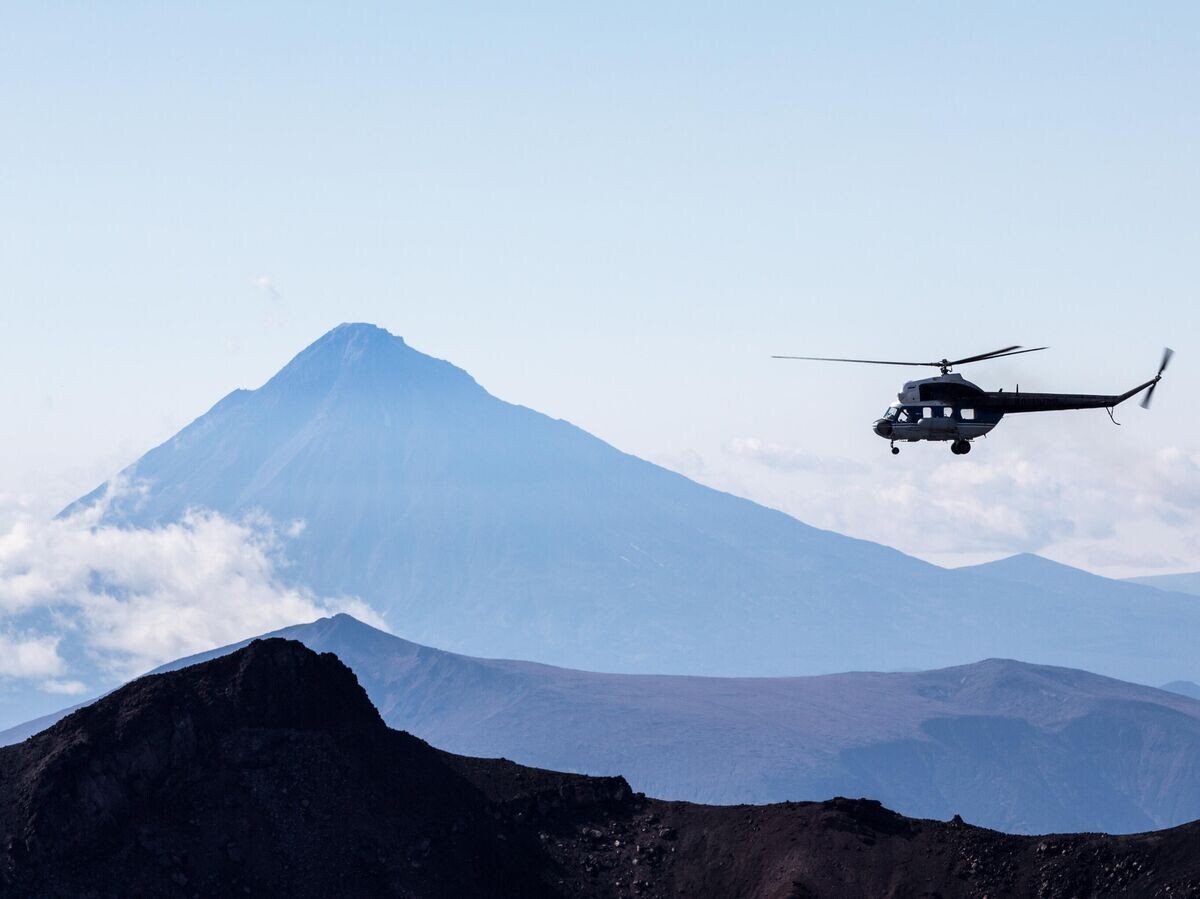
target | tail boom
x=1012, y=403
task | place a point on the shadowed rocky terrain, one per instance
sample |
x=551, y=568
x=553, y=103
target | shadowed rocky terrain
x=267, y=771
x=1018, y=747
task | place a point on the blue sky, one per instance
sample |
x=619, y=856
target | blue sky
x=615, y=216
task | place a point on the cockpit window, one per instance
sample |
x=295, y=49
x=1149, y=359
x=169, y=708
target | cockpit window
x=892, y=413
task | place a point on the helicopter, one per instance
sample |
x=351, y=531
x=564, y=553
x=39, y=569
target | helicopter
x=950, y=408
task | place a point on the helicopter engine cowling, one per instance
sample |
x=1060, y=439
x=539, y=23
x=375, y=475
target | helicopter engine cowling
x=952, y=388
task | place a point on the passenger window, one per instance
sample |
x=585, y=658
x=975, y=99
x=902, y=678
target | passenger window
x=968, y=414
x=927, y=412
x=947, y=412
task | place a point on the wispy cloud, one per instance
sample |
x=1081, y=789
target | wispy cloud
x=134, y=598
x=785, y=457
x=1169, y=486
x=688, y=463
x=267, y=287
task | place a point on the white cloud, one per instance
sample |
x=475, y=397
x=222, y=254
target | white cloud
x=134, y=598
x=1078, y=494
x=65, y=687
x=28, y=658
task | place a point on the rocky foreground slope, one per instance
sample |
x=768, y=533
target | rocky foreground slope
x=1016, y=747
x=268, y=771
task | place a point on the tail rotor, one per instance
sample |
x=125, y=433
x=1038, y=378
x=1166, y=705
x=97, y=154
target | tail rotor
x=1167, y=354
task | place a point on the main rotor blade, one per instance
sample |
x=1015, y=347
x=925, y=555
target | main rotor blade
x=1005, y=351
x=865, y=361
x=1167, y=354
x=995, y=354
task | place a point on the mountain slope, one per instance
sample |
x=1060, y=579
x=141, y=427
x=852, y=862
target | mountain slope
x=1180, y=583
x=267, y=772
x=487, y=528
x=1018, y=747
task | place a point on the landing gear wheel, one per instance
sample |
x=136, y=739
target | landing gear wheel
x=895, y=450
x=960, y=447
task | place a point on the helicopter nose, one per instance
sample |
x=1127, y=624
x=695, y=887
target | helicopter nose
x=883, y=428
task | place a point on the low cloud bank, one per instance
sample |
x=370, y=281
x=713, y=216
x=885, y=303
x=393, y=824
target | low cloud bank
x=1077, y=495
x=126, y=599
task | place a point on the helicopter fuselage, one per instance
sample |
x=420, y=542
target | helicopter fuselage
x=942, y=408
x=949, y=407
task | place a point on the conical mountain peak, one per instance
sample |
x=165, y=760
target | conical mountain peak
x=360, y=337
x=362, y=354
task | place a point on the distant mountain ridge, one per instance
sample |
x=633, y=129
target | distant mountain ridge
x=1018, y=747
x=490, y=529
x=1183, y=688
x=1180, y=583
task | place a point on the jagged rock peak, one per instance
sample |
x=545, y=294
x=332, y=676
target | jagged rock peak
x=269, y=683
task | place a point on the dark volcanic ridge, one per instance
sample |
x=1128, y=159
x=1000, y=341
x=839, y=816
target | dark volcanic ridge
x=1008, y=745
x=269, y=771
